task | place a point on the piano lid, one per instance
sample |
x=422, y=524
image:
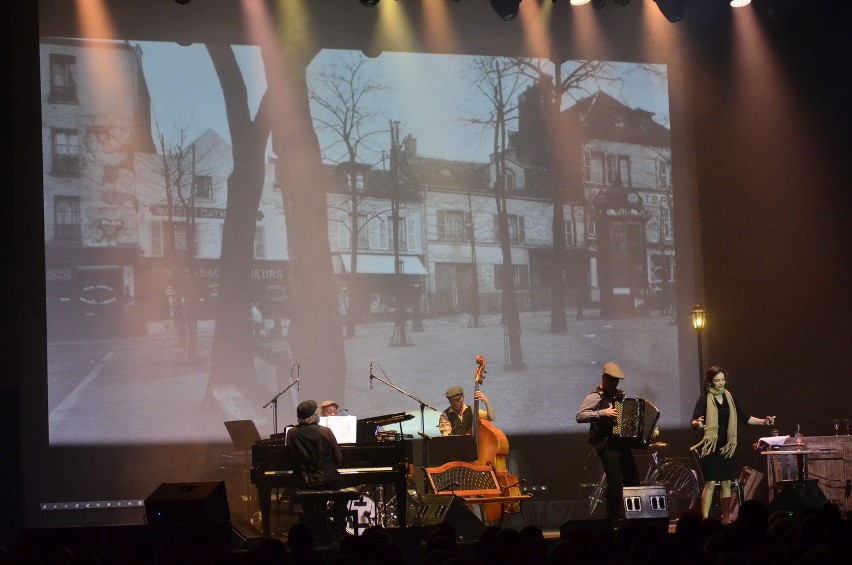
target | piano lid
x=386, y=419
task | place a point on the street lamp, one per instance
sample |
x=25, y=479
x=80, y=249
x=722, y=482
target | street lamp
x=699, y=319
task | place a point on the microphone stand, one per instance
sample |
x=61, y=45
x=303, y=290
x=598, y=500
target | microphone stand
x=423, y=405
x=274, y=402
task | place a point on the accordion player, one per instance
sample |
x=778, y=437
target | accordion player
x=636, y=421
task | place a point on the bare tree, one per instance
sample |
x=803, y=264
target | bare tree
x=562, y=158
x=344, y=110
x=232, y=353
x=500, y=82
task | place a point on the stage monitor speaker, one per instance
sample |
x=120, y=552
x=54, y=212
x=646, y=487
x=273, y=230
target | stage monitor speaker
x=641, y=503
x=796, y=496
x=439, y=508
x=188, y=503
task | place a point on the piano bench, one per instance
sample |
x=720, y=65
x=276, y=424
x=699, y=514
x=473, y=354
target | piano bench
x=314, y=511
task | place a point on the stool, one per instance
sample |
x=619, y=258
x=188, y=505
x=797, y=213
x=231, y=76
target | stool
x=325, y=522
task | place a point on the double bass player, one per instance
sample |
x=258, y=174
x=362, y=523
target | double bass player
x=457, y=419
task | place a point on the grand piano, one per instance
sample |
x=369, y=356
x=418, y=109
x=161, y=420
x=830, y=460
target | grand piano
x=364, y=463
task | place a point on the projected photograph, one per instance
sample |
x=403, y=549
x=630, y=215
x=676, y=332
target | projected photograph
x=230, y=231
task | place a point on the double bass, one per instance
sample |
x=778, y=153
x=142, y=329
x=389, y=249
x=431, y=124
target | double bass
x=493, y=450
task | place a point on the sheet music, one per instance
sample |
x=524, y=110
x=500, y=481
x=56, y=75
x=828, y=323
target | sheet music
x=343, y=427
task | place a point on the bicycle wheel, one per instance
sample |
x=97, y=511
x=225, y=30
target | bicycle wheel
x=681, y=486
x=598, y=494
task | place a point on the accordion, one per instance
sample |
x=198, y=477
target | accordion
x=636, y=420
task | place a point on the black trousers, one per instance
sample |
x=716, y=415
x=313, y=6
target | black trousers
x=620, y=468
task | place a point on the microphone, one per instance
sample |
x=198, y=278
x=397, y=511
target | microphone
x=339, y=410
x=371, y=375
x=298, y=380
x=450, y=487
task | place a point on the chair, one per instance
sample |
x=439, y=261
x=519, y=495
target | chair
x=327, y=522
x=474, y=484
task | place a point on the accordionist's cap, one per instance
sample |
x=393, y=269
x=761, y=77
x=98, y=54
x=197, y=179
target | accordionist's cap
x=613, y=370
x=329, y=403
x=455, y=392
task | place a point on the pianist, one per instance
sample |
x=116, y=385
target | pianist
x=316, y=455
x=457, y=419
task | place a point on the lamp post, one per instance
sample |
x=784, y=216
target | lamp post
x=699, y=319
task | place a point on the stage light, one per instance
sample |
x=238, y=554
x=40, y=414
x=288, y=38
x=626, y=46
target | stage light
x=369, y=3
x=182, y=1
x=739, y=3
x=699, y=322
x=579, y=2
x=671, y=9
x=506, y=9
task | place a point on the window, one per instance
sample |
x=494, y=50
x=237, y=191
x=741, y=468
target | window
x=520, y=276
x=453, y=225
x=591, y=225
x=63, y=87
x=593, y=167
x=517, y=233
x=157, y=238
x=356, y=181
x=363, y=235
x=259, y=243
x=569, y=230
x=65, y=150
x=66, y=218
x=181, y=236
x=664, y=173
x=403, y=233
x=379, y=232
x=510, y=180
x=665, y=222
x=618, y=166
x=202, y=186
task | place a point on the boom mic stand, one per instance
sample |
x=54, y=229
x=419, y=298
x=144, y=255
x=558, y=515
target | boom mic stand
x=423, y=406
x=274, y=402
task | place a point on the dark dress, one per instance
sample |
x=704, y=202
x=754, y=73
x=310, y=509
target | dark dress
x=715, y=467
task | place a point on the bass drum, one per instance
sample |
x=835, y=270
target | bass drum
x=389, y=515
x=367, y=513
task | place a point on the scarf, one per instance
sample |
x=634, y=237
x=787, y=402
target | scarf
x=707, y=445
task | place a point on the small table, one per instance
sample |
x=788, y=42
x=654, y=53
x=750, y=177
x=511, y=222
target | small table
x=801, y=460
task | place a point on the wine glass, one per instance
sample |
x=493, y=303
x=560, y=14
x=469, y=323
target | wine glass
x=836, y=423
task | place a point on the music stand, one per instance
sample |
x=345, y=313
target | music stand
x=443, y=449
x=243, y=434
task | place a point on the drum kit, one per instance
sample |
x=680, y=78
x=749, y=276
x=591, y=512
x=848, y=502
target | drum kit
x=373, y=510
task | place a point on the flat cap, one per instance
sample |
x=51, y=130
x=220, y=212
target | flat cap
x=613, y=370
x=455, y=392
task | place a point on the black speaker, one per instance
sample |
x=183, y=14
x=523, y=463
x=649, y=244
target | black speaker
x=439, y=508
x=188, y=503
x=796, y=496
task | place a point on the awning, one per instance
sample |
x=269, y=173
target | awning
x=369, y=264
